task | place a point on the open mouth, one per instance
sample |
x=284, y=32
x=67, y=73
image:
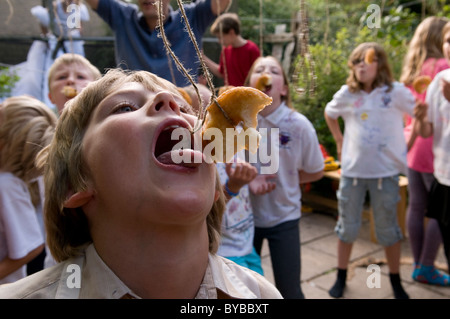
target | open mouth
x=174, y=147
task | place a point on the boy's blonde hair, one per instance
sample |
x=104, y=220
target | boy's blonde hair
x=425, y=43
x=26, y=127
x=72, y=58
x=226, y=22
x=384, y=73
x=285, y=98
x=66, y=172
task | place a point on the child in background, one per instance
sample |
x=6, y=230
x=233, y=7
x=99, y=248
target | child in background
x=69, y=16
x=432, y=118
x=424, y=57
x=67, y=76
x=238, y=226
x=238, y=54
x=277, y=213
x=26, y=126
x=373, y=154
x=136, y=224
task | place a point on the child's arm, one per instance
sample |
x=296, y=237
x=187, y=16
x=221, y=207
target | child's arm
x=213, y=66
x=238, y=176
x=335, y=130
x=309, y=177
x=421, y=124
x=261, y=185
x=8, y=265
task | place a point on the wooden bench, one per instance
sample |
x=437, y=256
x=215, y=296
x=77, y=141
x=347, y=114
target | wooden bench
x=316, y=199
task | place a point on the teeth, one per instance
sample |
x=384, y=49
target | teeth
x=171, y=127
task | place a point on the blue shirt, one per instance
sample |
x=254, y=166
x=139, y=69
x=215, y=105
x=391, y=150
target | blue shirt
x=138, y=48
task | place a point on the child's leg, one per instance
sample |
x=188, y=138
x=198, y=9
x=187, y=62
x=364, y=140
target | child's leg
x=351, y=196
x=284, y=245
x=384, y=195
x=344, y=252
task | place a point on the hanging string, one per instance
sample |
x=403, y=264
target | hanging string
x=306, y=62
x=202, y=110
x=261, y=33
x=225, y=70
x=325, y=39
x=11, y=12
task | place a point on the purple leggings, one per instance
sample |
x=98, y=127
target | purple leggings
x=425, y=242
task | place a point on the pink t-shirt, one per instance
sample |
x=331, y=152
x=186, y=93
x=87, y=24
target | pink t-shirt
x=420, y=156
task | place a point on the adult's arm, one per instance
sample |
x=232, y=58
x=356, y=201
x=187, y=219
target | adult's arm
x=217, y=6
x=93, y=4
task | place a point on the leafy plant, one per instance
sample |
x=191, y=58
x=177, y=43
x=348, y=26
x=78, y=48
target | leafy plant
x=7, y=81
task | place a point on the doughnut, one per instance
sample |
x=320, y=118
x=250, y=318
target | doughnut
x=224, y=88
x=370, y=55
x=69, y=91
x=242, y=105
x=263, y=82
x=420, y=84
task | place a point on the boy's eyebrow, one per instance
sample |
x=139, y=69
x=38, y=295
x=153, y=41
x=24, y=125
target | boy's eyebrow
x=135, y=91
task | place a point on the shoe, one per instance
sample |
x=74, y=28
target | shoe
x=430, y=275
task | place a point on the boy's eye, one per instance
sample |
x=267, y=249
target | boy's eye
x=124, y=108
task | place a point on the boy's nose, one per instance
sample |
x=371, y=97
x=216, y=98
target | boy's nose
x=71, y=79
x=164, y=101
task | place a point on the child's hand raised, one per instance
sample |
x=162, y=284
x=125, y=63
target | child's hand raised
x=239, y=174
x=420, y=110
x=261, y=185
x=445, y=88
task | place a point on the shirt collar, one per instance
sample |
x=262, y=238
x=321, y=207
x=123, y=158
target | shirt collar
x=103, y=282
x=220, y=277
x=277, y=115
x=102, y=277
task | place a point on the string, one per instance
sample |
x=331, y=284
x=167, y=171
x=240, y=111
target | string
x=225, y=70
x=261, y=26
x=202, y=109
x=11, y=12
x=306, y=62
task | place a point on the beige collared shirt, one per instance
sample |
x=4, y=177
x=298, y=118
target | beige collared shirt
x=88, y=277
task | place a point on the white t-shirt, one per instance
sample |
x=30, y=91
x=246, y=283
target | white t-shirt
x=20, y=231
x=374, y=145
x=299, y=149
x=439, y=116
x=238, y=228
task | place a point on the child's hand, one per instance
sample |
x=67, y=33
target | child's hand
x=420, y=111
x=239, y=174
x=261, y=185
x=445, y=88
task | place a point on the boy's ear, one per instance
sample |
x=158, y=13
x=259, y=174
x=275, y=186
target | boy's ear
x=216, y=195
x=50, y=97
x=78, y=199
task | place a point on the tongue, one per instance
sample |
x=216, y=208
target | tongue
x=166, y=158
x=190, y=158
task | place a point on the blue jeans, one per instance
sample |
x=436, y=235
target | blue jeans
x=284, y=245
